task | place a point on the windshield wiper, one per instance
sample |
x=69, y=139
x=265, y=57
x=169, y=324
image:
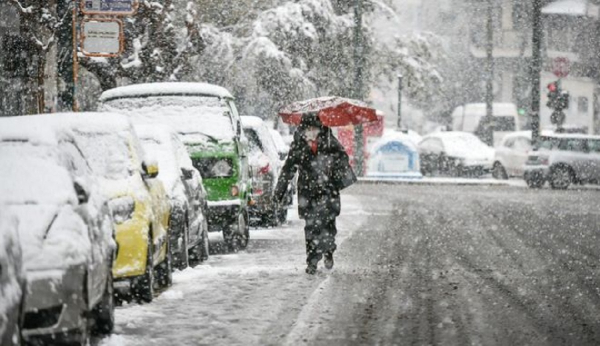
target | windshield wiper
x=211, y=138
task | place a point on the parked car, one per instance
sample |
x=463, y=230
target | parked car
x=505, y=119
x=138, y=201
x=511, y=155
x=13, y=282
x=208, y=122
x=564, y=159
x=265, y=164
x=455, y=153
x=183, y=184
x=69, y=246
x=282, y=148
x=66, y=255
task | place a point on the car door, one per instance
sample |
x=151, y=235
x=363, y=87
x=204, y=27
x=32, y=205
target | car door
x=518, y=155
x=574, y=153
x=594, y=159
x=504, y=154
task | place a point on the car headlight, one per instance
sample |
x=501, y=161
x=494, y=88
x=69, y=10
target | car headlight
x=122, y=208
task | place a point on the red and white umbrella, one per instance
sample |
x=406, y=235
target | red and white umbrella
x=332, y=111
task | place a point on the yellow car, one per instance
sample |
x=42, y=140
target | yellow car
x=138, y=201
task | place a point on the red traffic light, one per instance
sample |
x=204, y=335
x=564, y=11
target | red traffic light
x=552, y=87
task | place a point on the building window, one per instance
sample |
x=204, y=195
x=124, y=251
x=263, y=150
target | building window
x=582, y=104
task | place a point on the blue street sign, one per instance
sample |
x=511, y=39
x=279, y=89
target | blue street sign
x=116, y=7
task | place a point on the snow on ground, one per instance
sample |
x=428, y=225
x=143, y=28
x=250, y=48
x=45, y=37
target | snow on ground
x=235, y=299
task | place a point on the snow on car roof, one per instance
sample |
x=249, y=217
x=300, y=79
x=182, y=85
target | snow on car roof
x=156, y=89
x=43, y=128
x=497, y=109
x=252, y=121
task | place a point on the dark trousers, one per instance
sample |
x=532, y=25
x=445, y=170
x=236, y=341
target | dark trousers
x=320, y=238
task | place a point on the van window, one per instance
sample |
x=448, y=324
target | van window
x=572, y=144
x=522, y=144
x=594, y=145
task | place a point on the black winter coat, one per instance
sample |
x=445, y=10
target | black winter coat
x=321, y=175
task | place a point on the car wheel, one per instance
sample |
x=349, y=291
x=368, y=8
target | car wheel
x=561, y=177
x=164, y=271
x=181, y=258
x=499, y=172
x=104, y=313
x=143, y=288
x=205, y=242
x=237, y=236
x=283, y=215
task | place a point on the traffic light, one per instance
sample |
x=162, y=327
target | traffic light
x=558, y=99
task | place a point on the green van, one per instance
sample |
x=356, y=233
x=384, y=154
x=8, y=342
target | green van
x=207, y=120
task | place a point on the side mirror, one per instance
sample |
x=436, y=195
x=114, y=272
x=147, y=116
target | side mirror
x=150, y=169
x=282, y=155
x=83, y=196
x=187, y=174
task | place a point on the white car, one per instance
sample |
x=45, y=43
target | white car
x=265, y=164
x=511, y=155
x=564, y=159
x=282, y=148
x=455, y=153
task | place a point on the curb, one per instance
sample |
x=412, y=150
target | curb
x=427, y=182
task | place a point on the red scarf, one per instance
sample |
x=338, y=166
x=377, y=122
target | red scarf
x=313, y=146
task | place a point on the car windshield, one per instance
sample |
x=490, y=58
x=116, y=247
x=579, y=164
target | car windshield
x=107, y=153
x=184, y=113
x=33, y=180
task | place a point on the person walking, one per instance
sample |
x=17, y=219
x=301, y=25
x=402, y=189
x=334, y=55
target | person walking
x=324, y=169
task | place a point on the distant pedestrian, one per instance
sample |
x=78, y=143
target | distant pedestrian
x=324, y=169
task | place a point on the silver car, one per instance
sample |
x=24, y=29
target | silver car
x=564, y=159
x=66, y=232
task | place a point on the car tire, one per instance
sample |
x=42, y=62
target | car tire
x=561, y=177
x=103, y=314
x=143, y=288
x=181, y=259
x=205, y=242
x=499, y=172
x=236, y=238
x=283, y=215
x=164, y=271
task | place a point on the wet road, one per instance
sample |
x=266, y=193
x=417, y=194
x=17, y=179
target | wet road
x=416, y=265
x=466, y=266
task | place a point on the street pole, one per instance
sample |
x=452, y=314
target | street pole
x=489, y=87
x=399, y=125
x=65, y=76
x=536, y=70
x=358, y=83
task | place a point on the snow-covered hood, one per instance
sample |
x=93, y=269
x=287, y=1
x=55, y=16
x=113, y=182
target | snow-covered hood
x=52, y=236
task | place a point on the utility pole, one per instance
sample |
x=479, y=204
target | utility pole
x=358, y=83
x=488, y=134
x=536, y=70
x=399, y=125
x=66, y=85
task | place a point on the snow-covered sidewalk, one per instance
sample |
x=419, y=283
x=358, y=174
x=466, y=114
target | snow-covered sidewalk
x=234, y=299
